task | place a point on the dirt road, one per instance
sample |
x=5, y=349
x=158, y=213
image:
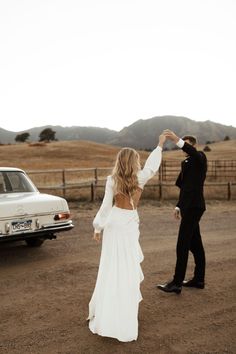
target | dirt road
x=44, y=292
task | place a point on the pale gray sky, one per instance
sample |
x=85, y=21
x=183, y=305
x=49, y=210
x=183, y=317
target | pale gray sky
x=109, y=63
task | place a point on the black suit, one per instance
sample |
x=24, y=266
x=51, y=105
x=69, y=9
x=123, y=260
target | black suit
x=192, y=206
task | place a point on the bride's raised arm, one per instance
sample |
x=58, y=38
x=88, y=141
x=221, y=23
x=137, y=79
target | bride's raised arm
x=152, y=163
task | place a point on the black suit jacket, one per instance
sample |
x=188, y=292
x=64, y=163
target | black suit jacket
x=191, y=179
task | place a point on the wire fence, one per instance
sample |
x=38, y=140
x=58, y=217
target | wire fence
x=88, y=183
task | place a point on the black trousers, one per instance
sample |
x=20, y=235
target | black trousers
x=189, y=238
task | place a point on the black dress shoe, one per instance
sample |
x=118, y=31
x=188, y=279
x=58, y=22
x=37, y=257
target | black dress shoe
x=170, y=288
x=193, y=284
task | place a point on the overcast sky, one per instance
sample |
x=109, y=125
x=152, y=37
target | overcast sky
x=109, y=63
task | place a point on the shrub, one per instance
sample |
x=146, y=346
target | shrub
x=207, y=148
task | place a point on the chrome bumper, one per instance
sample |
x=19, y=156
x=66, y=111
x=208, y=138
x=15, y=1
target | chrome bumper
x=48, y=231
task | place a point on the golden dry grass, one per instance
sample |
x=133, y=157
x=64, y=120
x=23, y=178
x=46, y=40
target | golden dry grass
x=58, y=155
x=84, y=154
x=223, y=150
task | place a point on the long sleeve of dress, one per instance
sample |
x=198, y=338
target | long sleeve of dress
x=151, y=166
x=104, y=211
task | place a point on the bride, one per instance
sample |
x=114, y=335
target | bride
x=113, y=308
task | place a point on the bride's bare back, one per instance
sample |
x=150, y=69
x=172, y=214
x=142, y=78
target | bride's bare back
x=125, y=202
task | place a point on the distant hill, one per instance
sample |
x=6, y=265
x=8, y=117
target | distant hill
x=99, y=135
x=141, y=135
x=6, y=136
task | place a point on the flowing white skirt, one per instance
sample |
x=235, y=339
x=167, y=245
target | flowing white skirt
x=113, y=309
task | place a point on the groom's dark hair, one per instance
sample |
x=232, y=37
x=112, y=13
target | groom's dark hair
x=191, y=138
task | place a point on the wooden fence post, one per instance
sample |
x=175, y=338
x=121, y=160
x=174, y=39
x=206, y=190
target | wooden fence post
x=92, y=192
x=160, y=181
x=229, y=191
x=96, y=175
x=160, y=190
x=95, y=183
x=64, y=182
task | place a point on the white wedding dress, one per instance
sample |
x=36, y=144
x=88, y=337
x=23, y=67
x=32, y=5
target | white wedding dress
x=113, y=309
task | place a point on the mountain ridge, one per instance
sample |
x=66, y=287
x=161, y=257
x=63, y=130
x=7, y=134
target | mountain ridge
x=141, y=134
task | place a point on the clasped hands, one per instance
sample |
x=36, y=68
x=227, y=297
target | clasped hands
x=170, y=135
x=167, y=134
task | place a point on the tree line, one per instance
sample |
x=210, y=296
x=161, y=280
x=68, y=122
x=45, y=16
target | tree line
x=46, y=135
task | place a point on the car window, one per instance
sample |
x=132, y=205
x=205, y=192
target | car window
x=15, y=181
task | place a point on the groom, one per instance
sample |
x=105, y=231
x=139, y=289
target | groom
x=189, y=209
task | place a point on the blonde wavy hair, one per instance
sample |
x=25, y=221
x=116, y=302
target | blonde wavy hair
x=125, y=171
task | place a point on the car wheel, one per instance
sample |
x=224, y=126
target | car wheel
x=34, y=242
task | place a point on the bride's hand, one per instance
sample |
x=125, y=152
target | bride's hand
x=97, y=236
x=162, y=139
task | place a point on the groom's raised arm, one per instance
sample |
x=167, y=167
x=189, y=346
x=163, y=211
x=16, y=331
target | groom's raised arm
x=188, y=148
x=191, y=151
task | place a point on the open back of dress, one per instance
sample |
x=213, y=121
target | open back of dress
x=124, y=201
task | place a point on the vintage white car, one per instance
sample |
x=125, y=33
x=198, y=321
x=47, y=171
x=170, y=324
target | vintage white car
x=25, y=213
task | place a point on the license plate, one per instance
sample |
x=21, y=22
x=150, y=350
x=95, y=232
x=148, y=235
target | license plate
x=21, y=225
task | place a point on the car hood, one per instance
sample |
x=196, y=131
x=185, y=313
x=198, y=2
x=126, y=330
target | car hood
x=23, y=204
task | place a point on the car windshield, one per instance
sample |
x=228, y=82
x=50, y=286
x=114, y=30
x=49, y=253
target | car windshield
x=15, y=182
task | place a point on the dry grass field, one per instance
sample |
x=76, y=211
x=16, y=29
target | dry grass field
x=223, y=150
x=58, y=155
x=84, y=154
